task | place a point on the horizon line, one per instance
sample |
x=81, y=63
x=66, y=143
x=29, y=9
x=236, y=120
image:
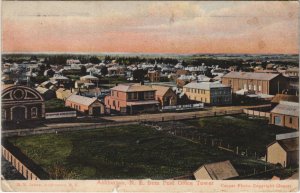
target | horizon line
x=145, y=53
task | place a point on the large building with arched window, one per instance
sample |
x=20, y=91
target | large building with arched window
x=22, y=103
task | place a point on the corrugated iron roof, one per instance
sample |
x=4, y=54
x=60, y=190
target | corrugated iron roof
x=132, y=88
x=87, y=101
x=291, y=144
x=287, y=108
x=251, y=75
x=161, y=90
x=205, y=85
x=220, y=170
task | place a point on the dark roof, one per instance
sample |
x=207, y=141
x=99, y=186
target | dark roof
x=285, y=97
x=291, y=144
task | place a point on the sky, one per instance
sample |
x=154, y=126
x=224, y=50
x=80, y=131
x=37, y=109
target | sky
x=182, y=27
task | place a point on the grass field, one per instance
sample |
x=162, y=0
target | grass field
x=252, y=134
x=120, y=152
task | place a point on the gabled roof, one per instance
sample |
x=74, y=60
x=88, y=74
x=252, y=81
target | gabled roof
x=161, y=90
x=205, y=85
x=133, y=87
x=285, y=97
x=89, y=77
x=220, y=170
x=287, y=108
x=251, y=75
x=290, y=144
x=87, y=101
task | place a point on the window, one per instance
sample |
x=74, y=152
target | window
x=3, y=114
x=291, y=120
x=117, y=93
x=245, y=86
x=259, y=88
x=230, y=82
x=149, y=95
x=33, y=112
x=255, y=88
x=250, y=86
x=114, y=103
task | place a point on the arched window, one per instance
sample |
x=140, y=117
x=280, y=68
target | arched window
x=33, y=112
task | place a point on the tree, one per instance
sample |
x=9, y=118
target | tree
x=50, y=73
x=42, y=69
x=83, y=70
x=94, y=60
x=104, y=70
x=139, y=75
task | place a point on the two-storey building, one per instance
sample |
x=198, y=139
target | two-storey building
x=208, y=92
x=131, y=99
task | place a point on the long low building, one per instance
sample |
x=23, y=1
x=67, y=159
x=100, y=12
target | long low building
x=260, y=83
x=89, y=106
x=209, y=92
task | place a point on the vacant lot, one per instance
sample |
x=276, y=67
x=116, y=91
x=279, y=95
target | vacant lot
x=252, y=134
x=121, y=152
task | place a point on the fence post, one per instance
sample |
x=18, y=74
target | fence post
x=237, y=150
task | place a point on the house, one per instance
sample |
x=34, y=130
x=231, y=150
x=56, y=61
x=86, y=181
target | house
x=260, y=83
x=63, y=93
x=89, y=106
x=89, y=78
x=285, y=114
x=60, y=79
x=216, y=171
x=46, y=93
x=132, y=98
x=154, y=76
x=21, y=103
x=209, y=92
x=165, y=95
x=284, y=152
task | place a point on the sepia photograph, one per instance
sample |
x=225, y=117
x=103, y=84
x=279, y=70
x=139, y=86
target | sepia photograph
x=148, y=96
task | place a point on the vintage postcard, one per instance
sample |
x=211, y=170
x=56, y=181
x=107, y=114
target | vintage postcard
x=150, y=96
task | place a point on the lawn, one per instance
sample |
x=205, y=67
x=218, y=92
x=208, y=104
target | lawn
x=119, y=153
x=253, y=134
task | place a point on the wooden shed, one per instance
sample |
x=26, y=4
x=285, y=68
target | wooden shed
x=216, y=171
x=284, y=152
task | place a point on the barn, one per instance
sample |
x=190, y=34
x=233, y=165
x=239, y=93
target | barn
x=21, y=103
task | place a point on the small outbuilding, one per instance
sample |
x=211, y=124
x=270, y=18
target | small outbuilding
x=284, y=152
x=216, y=171
x=285, y=114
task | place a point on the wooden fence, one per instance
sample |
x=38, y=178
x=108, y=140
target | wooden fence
x=21, y=168
x=256, y=113
x=25, y=166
